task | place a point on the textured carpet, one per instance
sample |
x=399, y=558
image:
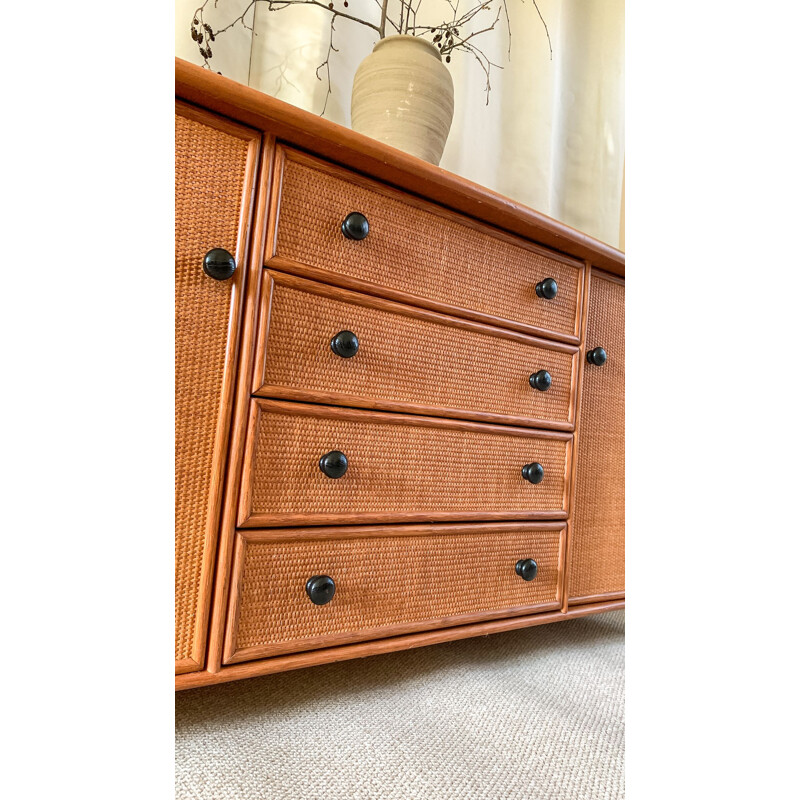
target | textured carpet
x=536, y=713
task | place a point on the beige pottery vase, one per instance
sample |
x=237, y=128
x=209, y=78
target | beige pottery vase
x=403, y=96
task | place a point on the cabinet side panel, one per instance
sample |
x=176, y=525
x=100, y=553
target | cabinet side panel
x=213, y=173
x=597, y=530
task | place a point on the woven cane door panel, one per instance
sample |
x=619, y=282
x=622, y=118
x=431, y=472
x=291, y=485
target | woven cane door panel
x=413, y=248
x=400, y=468
x=213, y=165
x=597, y=528
x=407, y=359
x=385, y=585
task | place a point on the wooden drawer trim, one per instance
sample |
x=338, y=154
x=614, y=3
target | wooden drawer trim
x=596, y=598
x=475, y=543
x=328, y=274
x=250, y=518
x=329, y=655
x=398, y=324
x=207, y=332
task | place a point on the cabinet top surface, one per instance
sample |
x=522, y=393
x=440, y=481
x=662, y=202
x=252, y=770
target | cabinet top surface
x=356, y=151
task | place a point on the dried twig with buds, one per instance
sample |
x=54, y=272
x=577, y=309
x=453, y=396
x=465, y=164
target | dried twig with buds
x=449, y=36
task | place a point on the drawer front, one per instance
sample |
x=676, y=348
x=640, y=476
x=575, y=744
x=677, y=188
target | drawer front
x=214, y=168
x=400, y=468
x=387, y=582
x=407, y=359
x=416, y=252
x=597, y=529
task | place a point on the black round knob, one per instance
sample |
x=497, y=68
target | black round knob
x=526, y=568
x=540, y=380
x=321, y=588
x=345, y=344
x=533, y=472
x=334, y=464
x=598, y=356
x=219, y=264
x=547, y=288
x=355, y=226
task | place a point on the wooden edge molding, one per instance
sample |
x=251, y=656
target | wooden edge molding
x=241, y=409
x=587, y=276
x=596, y=598
x=601, y=274
x=327, y=276
x=374, y=159
x=265, y=520
x=187, y=664
x=368, y=531
x=220, y=448
x=280, y=392
x=411, y=420
x=238, y=656
x=362, y=649
x=392, y=307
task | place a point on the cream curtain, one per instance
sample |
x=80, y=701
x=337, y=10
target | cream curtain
x=552, y=135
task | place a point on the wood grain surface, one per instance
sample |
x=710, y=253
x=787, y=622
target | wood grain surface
x=215, y=163
x=435, y=412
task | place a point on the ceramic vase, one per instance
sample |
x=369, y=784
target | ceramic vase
x=403, y=96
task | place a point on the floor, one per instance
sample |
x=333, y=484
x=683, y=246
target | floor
x=535, y=713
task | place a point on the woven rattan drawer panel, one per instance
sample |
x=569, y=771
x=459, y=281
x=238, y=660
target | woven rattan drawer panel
x=408, y=359
x=214, y=163
x=389, y=581
x=401, y=468
x=416, y=252
x=597, y=534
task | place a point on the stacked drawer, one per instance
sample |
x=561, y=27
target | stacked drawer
x=412, y=366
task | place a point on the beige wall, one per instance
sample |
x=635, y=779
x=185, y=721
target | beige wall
x=552, y=136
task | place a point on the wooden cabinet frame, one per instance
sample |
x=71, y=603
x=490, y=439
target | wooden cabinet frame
x=279, y=122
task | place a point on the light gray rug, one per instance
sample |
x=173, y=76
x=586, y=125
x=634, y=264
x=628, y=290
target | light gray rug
x=535, y=713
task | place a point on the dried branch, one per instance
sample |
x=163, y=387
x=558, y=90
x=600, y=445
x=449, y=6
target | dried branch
x=447, y=36
x=277, y=5
x=383, y=6
x=549, y=43
x=508, y=28
x=327, y=64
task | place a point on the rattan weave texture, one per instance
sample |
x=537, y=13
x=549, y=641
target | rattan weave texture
x=397, y=468
x=597, y=535
x=388, y=581
x=418, y=251
x=403, y=359
x=209, y=174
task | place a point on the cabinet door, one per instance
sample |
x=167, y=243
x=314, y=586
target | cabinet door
x=597, y=527
x=215, y=163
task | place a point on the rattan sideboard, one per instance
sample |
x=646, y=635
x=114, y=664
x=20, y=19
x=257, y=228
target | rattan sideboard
x=399, y=398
